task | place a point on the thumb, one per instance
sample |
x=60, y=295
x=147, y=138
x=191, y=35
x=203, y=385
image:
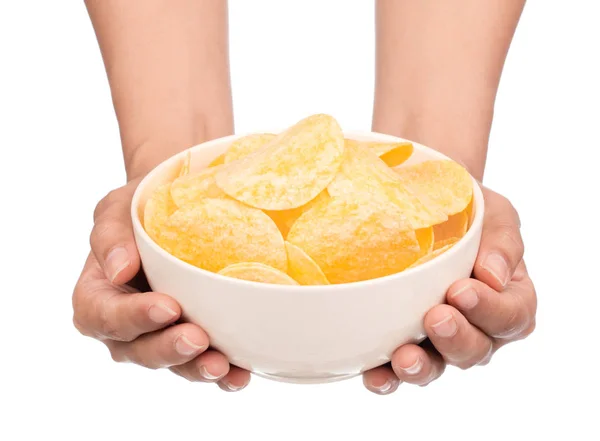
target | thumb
x=112, y=240
x=501, y=247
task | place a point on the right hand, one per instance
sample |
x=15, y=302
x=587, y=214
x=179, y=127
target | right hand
x=111, y=304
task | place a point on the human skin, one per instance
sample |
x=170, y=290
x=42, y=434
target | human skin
x=167, y=65
x=438, y=66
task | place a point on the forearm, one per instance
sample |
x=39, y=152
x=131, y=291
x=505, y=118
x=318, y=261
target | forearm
x=438, y=70
x=168, y=69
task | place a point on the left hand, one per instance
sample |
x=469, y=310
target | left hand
x=482, y=314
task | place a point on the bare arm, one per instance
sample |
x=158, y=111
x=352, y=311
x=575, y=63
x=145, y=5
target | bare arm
x=168, y=68
x=438, y=70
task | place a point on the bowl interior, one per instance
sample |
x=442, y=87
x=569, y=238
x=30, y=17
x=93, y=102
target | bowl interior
x=203, y=154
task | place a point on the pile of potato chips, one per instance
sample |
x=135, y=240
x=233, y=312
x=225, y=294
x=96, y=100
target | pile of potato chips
x=309, y=207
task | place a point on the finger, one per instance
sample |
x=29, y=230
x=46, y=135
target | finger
x=501, y=247
x=381, y=380
x=417, y=365
x=104, y=311
x=507, y=315
x=459, y=342
x=235, y=380
x=209, y=367
x=168, y=347
x=112, y=239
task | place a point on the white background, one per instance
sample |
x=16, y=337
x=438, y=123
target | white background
x=60, y=153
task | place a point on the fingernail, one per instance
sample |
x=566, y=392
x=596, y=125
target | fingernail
x=497, y=267
x=414, y=369
x=465, y=298
x=116, y=261
x=207, y=375
x=184, y=346
x=232, y=387
x=385, y=388
x=445, y=328
x=161, y=314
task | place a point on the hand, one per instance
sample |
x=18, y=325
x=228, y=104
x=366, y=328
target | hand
x=495, y=307
x=138, y=326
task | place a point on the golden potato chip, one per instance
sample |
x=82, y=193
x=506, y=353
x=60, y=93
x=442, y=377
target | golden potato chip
x=432, y=255
x=392, y=153
x=218, y=160
x=286, y=218
x=291, y=170
x=157, y=210
x=257, y=272
x=363, y=173
x=215, y=233
x=353, y=239
x=185, y=167
x=196, y=187
x=443, y=185
x=443, y=243
x=470, y=212
x=425, y=238
x=455, y=226
x=246, y=145
x=302, y=268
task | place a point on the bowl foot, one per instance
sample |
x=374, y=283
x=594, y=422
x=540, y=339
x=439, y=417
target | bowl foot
x=305, y=379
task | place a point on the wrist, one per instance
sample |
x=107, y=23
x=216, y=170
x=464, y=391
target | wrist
x=463, y=138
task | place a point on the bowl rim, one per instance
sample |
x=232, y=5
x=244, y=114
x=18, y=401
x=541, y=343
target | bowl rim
x=140, y=232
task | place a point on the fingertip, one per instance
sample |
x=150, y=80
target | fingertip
x=212, y=366
x=236, y=380
x=381, y=380
x=493, y=269
x=121, y=264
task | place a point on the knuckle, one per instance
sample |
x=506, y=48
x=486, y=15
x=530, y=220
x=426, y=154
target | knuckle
x=111, y=198
x=516, y=322
x=107, y=318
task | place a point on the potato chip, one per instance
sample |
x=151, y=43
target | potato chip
x=185, y=167
x=257, y=272
x=219, y=160
x=157, y=210
x=470, y=213
x=215, y=233
x=302, y=268
x=363, y=173
x=455, y=226
x=353, y=239
x=246, y=145
x=443, y=243
x=196, y=187
x=286, y=218
x=431, y=256
x=425, y=238
x=392, y=153
x=291, y=170
x=442, y=184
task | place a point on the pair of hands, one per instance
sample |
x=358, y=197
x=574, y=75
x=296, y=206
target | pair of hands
x=112, y=303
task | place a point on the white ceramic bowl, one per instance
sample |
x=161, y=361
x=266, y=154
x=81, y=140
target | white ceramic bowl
x=304, y=334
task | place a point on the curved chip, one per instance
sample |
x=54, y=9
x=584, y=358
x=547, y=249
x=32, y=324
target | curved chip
x=286, y=218
x=425, y=237
x=215, y=233
x=257, y=272
x=219, y=160
x=185, y=167
x=246, y=145
x=302, y=268
x=157, y=210
x=444, y=185
x=353, y=239
x=196, y=187
x=455, y=226
x=444, y=243
x=431, y=255
x=291, y=170
x=392, y=153
x=363, y=174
